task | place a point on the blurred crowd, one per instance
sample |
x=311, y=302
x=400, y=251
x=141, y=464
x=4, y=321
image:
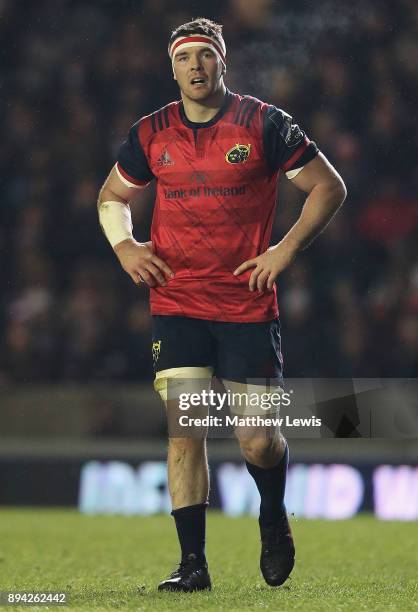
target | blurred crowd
x=76, y=75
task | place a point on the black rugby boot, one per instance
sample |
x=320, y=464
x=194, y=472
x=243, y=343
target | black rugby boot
x=191, y=575
x=277, y=551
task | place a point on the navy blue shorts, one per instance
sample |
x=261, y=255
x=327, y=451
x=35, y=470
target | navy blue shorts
x=236, y=351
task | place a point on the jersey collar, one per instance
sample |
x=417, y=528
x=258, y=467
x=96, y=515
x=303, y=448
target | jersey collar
x=193, y=125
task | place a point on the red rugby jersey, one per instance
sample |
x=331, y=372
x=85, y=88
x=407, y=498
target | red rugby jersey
x=215, y=202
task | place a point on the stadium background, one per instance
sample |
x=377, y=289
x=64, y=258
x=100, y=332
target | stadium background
x=75, y=363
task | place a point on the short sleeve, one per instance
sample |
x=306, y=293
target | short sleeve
x=132, y=165
x=286, y=146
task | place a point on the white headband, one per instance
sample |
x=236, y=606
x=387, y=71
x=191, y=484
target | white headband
x=198, y=40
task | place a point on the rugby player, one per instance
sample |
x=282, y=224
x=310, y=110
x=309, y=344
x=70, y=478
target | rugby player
x=216, y=156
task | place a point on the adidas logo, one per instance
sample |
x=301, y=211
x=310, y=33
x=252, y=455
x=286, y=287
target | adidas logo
x=165, y=159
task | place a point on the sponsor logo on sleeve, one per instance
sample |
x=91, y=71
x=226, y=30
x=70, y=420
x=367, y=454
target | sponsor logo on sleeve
x=294, y=136
x=289, y=131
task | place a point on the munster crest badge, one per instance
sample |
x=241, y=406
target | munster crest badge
x=238, y=154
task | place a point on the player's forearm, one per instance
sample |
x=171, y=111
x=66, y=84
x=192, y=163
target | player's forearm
x=320, y=206
x=115, y=218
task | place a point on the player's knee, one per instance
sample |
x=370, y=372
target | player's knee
x=259, y=450
x=255, y=448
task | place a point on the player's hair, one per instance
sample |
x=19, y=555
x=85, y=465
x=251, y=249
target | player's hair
x=200, y=25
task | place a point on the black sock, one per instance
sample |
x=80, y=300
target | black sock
x=271, y=484
x=191, y=528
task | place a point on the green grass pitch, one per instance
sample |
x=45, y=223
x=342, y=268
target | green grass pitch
x=116, y=562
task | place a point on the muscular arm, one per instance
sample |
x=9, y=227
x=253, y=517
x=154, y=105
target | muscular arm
x=137, y=259
x=115, y=190
x=326, y=192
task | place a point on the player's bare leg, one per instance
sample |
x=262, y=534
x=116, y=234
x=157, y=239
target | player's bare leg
x=188, y=472
x=266, y=456
x=188, y=482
